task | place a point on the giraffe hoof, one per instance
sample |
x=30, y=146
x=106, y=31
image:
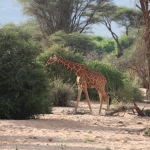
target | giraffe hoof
x=91, y=112
x=101, y=114
x=74, y=112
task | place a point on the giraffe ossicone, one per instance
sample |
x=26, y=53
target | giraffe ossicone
x=86, y=78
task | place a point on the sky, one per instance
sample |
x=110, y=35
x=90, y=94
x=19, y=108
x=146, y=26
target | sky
x=11, y=11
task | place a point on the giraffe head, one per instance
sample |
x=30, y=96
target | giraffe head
x=51, y=60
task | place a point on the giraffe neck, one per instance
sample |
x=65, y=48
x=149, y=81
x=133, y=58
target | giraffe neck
x=74, y=67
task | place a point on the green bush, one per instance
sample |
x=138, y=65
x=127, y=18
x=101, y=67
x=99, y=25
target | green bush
x=97, y=38
x=126, y=41
x=104, y=45
x=78, y=42
x=23, y=82
x=61, y=93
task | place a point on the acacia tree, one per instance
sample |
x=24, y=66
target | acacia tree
x=141, y=63
x=128, y=18
x=124, y=17
x=107, y=18
x=67, y=15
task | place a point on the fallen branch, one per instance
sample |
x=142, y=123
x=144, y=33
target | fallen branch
x=139, y=111
x=132, y=130
x=125, y=108
x=120, y=109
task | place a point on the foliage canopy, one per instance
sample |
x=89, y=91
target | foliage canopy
x=78, y=43
x=67, y=15
x=104, y=44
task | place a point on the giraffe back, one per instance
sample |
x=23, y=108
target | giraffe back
x=93, y=79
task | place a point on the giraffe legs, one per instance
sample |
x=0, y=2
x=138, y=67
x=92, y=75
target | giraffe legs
x=108, y=103
x=87, y=98
x=102, y=96
x=78, y=98
x=101, y=101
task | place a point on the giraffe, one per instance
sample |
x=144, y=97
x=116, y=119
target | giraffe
x=86, y=78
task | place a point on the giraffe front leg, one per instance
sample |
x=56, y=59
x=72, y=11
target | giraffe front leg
x=101, y=102
x=88, y=100
x=100, y=108
x=78, y=98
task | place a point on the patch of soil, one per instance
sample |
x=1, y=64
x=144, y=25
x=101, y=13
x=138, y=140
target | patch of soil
x=64, y=131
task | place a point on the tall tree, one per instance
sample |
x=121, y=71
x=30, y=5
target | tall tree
x=67, y=15
x=124, y=17
x=128, y=18
x=141, y=64
x=106, y=18
x=145, y=8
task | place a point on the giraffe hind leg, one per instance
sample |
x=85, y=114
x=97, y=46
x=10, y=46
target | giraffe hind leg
x=110, y=100
x=103, y=95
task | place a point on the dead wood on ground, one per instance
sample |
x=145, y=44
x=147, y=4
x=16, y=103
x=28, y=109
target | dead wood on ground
x=133, y=130
x=125, y=108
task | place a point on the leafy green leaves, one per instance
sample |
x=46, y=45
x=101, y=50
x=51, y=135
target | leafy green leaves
x=77, y=42
x=23, y=84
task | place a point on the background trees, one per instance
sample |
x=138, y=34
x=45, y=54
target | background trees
x=124, y=17
x=70, y=16
x=104, y=45
x=128, y=18
x=79, y=15
x=79, y=43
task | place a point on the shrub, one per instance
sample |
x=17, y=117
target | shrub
x=104, y=45
x=126, y=41
x=78, y=42
x=61, y=93
x=97, y=38
x=23, y=82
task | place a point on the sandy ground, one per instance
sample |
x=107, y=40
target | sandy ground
x=63, y=131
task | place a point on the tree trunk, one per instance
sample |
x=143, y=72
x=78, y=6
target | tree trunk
x=120, y=49
x=146, y=15
x=147, y=41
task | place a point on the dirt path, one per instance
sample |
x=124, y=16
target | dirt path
x=61, y=131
